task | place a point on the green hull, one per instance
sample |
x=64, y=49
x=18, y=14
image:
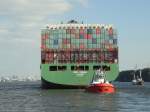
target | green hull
x=75, y=78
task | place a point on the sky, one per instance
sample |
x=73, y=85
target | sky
x=21, y=22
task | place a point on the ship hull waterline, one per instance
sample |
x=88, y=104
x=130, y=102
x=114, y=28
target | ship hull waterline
x=71, y=79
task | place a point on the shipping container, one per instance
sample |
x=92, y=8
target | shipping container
x=80, y=38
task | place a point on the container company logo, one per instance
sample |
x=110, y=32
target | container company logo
x=80, y=73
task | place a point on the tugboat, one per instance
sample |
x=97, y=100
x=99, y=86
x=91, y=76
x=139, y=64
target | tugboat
x=99, y=84
x=137, y=80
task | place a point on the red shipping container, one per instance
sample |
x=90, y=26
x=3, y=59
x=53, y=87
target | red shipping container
x=81, y=31
x=98, y=30
x=66, y=41
x=82, y=46
x=110, y=31
x=89, y=36
x=46, y=36
x=43, y=46
x=110, y=48
x=51, y=55
x=85, y=36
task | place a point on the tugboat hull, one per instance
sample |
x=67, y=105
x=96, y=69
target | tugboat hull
x=101, y=88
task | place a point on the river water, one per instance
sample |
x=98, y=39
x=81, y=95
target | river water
x=29, y=97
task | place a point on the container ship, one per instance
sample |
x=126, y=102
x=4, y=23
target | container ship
x=72, y=52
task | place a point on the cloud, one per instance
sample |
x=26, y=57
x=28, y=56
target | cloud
x=28, y=15
x=33, y=10
x=20, y=23
x=83, y=2
x=35, y=7
x=22, y=19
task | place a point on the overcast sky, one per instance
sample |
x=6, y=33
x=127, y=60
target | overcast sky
x=21, y=21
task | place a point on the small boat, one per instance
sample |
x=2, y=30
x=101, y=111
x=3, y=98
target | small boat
x=99, y=84
x=137, y=80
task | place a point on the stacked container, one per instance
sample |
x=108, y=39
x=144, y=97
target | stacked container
x=78, y=43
